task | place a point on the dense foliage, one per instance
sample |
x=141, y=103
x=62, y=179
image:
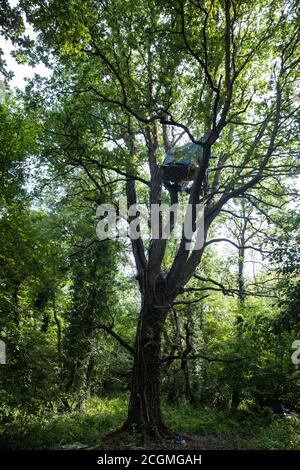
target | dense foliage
x=128, y=81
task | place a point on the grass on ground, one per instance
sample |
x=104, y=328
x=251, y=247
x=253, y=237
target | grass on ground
x=102, y=415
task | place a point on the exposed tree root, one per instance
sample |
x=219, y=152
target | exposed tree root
x=132, y=435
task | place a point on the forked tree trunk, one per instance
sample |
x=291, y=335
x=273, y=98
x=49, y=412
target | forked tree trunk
x=144, y=412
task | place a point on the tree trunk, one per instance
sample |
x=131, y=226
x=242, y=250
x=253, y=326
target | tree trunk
x=144, y=412
x=80, y=384
x=238, y=376
x=188, y=393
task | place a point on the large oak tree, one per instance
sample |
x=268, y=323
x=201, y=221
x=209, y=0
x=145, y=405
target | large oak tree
x=146, y=74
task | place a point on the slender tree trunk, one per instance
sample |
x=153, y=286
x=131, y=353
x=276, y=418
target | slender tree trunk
x=237, y=383
x=81, y=381
x=189, y=396
x=144, y=407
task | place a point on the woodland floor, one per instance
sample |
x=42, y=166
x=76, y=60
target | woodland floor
x=200, y=427
x=189, y=442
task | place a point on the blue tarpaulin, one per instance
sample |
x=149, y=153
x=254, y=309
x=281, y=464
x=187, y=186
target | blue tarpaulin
x=189, y=155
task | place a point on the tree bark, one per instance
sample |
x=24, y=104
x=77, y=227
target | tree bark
x=237, y=382
x=144, y=407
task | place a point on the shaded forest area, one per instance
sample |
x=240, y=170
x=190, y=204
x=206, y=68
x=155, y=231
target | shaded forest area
x=146, y=342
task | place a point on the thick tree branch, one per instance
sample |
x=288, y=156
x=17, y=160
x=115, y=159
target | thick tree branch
x=108, y=329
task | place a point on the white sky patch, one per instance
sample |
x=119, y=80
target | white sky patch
x=21, y=71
